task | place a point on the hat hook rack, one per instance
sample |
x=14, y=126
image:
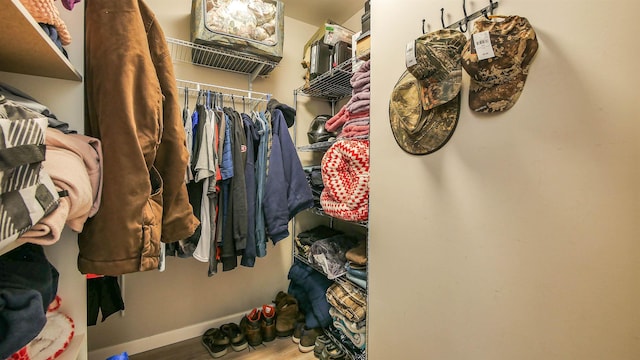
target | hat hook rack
x=465, y=21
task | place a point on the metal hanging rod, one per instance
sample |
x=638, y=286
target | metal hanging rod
x=486, y=11
x=185, y=85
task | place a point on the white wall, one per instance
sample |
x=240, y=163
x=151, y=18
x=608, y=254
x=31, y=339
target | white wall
x=519, y=238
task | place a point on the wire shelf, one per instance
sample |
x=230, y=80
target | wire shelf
x=339, y=280
x=333, y=84
x=319, y=211
x=219, y=58
x=319, y=146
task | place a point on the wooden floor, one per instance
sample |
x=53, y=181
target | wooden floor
x=192, y=349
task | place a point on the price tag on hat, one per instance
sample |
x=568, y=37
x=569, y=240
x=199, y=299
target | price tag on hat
x=410, y=54
x=482, y=42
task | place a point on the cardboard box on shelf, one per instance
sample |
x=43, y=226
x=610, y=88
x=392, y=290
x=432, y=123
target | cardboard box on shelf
x=363, y=46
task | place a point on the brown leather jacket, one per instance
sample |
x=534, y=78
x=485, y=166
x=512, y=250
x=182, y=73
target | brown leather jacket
x=132, y=107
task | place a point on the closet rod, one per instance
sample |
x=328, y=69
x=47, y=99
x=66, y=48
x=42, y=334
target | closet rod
x=227, y=91
x=482, y=12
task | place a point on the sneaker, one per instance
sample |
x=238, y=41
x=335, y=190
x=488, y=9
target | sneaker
x=250, y=326
x=332, y=352
x=286, y=314
x=268, y=323
x=321, y=342
x=236, y=337
x=216, y=342
x=308, y=339
x=297, y=332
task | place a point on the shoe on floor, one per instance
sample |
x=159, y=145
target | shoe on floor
x=216, y=342
x=236, y=337
x=308, y=339
x=287, y=313
x=297, y=332
x=268, y=323
x=250, y=326
x=321, y=342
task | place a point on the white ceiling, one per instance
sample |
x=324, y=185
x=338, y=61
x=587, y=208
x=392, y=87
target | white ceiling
x=316, y=12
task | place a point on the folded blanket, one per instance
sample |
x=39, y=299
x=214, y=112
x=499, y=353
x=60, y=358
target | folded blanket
x=345, y=173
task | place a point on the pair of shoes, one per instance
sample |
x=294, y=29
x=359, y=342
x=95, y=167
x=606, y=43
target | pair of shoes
x=321, y=342
x=308, y=339
x=216, y=342
x=259, y=325
x=236, y=337
x=287, y=311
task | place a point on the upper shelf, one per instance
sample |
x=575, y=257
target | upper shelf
x=26, y=48
x=218, y=58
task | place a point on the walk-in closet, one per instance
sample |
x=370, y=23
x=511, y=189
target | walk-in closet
x=514, y=236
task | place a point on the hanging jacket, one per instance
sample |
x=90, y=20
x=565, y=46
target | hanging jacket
x=249, y=254
x=132, y=107
x=287, y=191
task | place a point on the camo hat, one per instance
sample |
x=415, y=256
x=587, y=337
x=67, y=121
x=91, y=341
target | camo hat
x=496, y=83
x=438, y=65
x=417, y=130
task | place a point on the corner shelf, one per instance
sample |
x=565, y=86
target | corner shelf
x=219, y=58
x=26, y=48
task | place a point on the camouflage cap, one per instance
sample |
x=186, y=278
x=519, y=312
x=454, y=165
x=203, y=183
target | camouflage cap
x=438, y=56
x=416, y=130
x=496, y=83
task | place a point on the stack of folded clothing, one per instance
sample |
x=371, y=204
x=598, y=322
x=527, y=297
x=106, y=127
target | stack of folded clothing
x=348, y=312
x=355, y=332
x=356, y=265
x=353, y=118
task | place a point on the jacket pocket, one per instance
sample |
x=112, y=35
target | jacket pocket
x=152, y=224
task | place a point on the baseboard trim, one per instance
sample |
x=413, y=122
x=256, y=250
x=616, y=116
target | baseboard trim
x=163, y=339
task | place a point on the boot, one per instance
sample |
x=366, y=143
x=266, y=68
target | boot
x=287, y=313
x=250, y=325
x=268, y=323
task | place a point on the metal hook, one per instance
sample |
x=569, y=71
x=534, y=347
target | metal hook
x=442, y=17
x=423, y=26
x=466, y=18
x=233, y=102
x=244, y=109
x=491, y=6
